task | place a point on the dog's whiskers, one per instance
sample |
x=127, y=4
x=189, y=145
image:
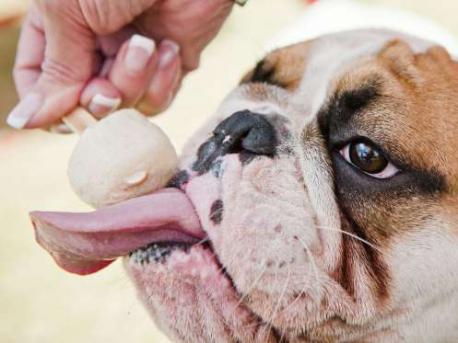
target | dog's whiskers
x=228, y=265
x=315, y=270
x=311, y=258
x=352, y=235
x=276, y=308
x=202, y=242
x=252, y=286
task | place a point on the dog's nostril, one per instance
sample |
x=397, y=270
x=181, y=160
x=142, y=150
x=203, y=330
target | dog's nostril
x=243, y=131
x=247, y=131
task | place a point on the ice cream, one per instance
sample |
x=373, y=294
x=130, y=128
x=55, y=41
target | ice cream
x=121, y=157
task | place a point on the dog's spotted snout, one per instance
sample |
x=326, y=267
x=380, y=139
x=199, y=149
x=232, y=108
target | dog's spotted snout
x=243, y=132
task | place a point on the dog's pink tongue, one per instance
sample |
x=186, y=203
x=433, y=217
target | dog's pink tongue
x=84, y=243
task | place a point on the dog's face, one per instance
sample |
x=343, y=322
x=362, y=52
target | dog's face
x=331, y=212
x=326, y=191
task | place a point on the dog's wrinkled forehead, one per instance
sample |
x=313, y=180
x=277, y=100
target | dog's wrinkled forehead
x=306, y=71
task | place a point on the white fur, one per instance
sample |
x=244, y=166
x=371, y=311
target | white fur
x=331, y=16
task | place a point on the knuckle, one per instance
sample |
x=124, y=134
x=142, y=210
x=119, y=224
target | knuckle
x=60, y=72
x=53, y=8
x=191, y=65
x=96, y=15
x=106, y=16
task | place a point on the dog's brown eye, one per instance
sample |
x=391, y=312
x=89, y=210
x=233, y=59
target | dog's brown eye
x=369, y=159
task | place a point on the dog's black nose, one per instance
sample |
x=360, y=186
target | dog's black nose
x=242, y=132
x=246, y=131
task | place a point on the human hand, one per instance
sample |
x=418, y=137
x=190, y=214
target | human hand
x=90, y=53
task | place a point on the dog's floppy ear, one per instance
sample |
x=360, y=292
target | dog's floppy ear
x=438, y=60
x=401, y=61
x=409, y=66
x=283, y=68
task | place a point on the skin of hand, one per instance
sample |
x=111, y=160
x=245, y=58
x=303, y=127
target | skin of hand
x=103, y=54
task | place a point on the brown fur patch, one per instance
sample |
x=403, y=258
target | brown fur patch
x=417, y=113
x=356, y=252
x=283, y=68
x=413, y=117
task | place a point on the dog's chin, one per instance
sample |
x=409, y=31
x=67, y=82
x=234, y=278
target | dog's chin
x=230, y=285
x=193, y=299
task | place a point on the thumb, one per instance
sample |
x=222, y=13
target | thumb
x=68, y=61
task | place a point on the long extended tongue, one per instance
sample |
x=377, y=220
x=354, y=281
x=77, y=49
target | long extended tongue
x=84, y=243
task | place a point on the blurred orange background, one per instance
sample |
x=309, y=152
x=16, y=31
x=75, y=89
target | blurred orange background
x=40, y=303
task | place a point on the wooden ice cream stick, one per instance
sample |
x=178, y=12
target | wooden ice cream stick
x=79, y=119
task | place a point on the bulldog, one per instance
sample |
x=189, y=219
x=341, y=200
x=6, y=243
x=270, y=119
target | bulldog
x=319, y=204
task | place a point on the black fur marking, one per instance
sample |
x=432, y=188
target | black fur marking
x=179, y=179
x=352, y=101
x=279, y=338
x=265, y=74
x=217, y=168
x=157, y=252
x=341, y=108
x=246, y=157
x=216, y=212
x=355, y=185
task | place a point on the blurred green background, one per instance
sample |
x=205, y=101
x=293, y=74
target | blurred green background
x=40, y=303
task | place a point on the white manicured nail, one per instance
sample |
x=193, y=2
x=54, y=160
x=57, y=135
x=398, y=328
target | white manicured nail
x=139, y=53
x=61, y=128
x=26, y=109
x=101, y=104
x=172, y=51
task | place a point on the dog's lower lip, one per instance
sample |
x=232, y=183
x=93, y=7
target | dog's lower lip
x=157, y=251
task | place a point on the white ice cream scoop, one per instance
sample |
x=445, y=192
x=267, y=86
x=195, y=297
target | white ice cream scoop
x=119, y=157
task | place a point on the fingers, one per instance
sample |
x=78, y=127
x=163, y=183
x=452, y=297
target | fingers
x=27, y=70
x=51, y=89
x=50, y=85
x=165, y=81
x=133, y=68
x=30, y=54
x=148, y=85
x=100, y=97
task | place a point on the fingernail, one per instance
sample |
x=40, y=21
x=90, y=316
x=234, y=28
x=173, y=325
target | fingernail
x=106, y=68
x=26, y=109
x=168, y=101
x=60, y=128
x=172, y=50
x=139, y=52
x=103, y=104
